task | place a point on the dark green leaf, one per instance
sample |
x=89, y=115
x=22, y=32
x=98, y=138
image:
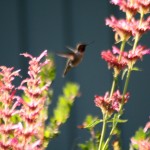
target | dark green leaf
x=94, y=123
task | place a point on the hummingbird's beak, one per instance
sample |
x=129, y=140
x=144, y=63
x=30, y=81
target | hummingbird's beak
x=90, y=43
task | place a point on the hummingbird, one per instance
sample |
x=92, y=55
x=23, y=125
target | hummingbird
x=74, y=57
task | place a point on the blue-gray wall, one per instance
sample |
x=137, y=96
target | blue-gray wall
x=35, y=25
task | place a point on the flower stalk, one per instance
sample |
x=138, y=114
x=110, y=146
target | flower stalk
x=103, y=131
x=121, y=61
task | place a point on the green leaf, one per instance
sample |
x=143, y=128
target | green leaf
x=122, y=120
x=124, y=73
x=136, y=69
x=15, y=118
x=63, y=107
x=148, y=134
x=88, y=145
x=118, y=120
x=140, y=134
x=71, y=90
x=47, y=134
x=49, y=70
x=94, y=123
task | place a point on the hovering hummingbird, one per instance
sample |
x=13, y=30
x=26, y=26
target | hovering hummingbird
x=74, y=57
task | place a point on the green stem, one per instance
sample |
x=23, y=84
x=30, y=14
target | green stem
x=110, y=135
x=113, y=86
x=135, y=42
x=141, y=17
x=115, y=79
x=122, y=49
x=129, y=72
x=103, y=131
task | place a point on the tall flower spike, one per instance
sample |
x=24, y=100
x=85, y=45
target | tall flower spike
x=35, y=95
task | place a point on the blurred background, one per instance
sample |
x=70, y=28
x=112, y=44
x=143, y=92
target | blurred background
x=35, y=25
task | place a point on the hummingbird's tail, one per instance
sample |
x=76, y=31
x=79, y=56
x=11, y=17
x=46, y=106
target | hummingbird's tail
x=67, y=68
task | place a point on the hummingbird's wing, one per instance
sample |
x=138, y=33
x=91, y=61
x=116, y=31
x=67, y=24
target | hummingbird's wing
x=71, y=49
x=67, y=68
x=67, y=55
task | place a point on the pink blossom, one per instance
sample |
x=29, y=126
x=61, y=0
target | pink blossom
x=35, y=64
x=113, y=60
x=132, y=7
x=127, y=6
x=7, y=77
x=12, y=144
x=144, y=6
x=28, y=132
x=131, y=55
x=34, y=92
x=147, y=126
x=36, y=145
x=8, y=129
x=122, y=27
x=140, y=28
x=29, y=114
x=8, y=112
x=127, y=28
x=142, y=144
x=109, y=105
x=117, y=99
